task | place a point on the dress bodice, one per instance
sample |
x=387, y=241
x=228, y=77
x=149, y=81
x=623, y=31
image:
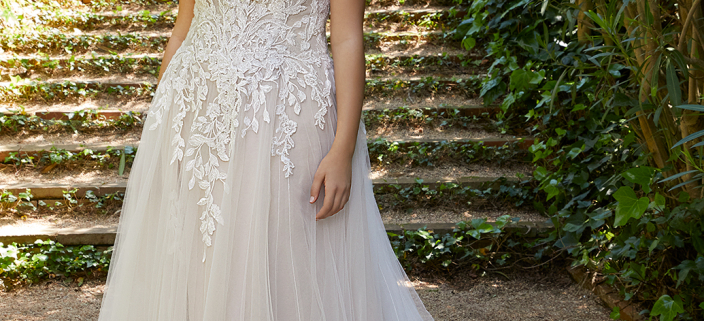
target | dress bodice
x=262, y=41
x=262, y=32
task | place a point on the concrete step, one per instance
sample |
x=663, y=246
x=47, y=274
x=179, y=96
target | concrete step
x=76, y=87
x=467, y=104
x=106, y=235
x=116, y=184
x=35, y=148
x=145, y=65
x=162, y=5
x=130, y=20
x=154, y=42
x=65, y=113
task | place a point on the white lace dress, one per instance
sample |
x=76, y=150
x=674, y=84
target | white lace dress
x=216, y=223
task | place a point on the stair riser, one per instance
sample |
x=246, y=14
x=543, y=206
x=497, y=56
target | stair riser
x=59, y=44
x=466, y=111
x=5, y=151
x=133, y=5
x=529, y=230
x=130, y=90
x=165, y=20
x=381, y=186
x=149, y=66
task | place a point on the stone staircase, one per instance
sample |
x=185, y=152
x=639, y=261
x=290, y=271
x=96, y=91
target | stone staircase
x=102, y=55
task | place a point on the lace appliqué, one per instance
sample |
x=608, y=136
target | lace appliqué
x=243, y=50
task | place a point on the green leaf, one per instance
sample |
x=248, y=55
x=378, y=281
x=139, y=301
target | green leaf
x=615, y=313
x=679, y=59
x=692, y=107
x=696, y=178
x=640, y=175
x=673, y=85
x=629, y=205
x=521, y=78
x=508, y=101
x=540, y=173
x=468, y=43
x=574, y=152
x=683, y=197
x=551, y=189
x=667, y=308
x=659, y=202
x=121, y=169
x=678, y=175
x=653, y=246
x=687, y=266
x=689, y=138
x=614, y=69
x=654, y=80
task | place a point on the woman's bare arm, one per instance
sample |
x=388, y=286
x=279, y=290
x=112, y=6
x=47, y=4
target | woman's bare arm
x=347, y=42
x=183, y=23
x=347, y=46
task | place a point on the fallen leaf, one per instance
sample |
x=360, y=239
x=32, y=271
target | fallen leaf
x=48, y=168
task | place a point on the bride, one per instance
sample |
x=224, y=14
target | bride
x=249, y=197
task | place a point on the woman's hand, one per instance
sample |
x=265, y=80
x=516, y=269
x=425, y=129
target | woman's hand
x=347, y=47
x=335, y=172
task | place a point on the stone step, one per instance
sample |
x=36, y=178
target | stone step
x=35, y=148
x=144, y=87
x=55, y=190
x=163, y=5
x=380, y=102
x=106, y=235
x=68, y=113
x=129, y=20
x=153, y=42
x=393, y=63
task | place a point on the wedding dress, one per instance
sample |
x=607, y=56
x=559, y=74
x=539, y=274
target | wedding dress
x=216, y=223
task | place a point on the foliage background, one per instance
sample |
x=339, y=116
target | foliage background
x=613, y=90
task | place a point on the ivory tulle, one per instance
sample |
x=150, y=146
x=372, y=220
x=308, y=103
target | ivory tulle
x=216, y=222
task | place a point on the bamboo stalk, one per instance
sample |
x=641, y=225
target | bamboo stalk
x=685, y=26
x=628, y=22
x=689, y=119
x=601, y=9
x=654, y=141
x=582, y=27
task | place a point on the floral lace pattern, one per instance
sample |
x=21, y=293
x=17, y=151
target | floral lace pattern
x=243, y=50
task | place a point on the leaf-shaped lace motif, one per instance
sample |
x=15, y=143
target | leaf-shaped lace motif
x=245, y=50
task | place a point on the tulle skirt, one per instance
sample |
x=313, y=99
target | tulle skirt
x=200, y=238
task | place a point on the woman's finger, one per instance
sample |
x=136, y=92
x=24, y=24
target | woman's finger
x=327, y=203
x=315, y=187
x=337, y=205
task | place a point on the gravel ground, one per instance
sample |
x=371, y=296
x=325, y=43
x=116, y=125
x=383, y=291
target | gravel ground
x=528, y=297
x=531, y=297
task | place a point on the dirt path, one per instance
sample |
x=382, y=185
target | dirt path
x=529, y=297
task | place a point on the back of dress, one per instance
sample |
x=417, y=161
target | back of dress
x=216, y=223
